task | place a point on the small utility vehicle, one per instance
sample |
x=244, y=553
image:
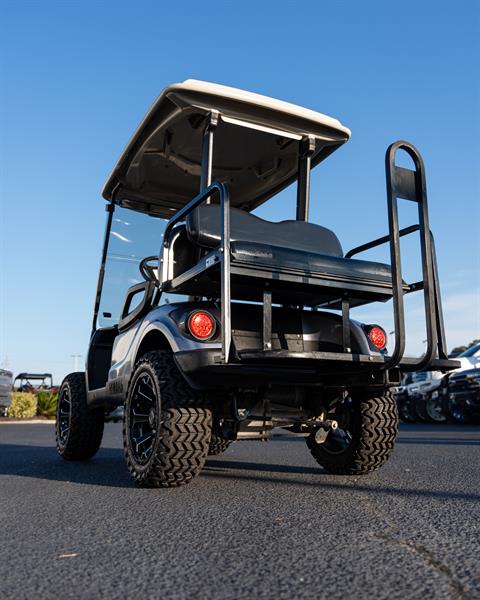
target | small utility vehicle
x=33, y=382
x=240, y=325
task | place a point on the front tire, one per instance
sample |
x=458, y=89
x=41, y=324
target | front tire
x=166, y=433
x=79, y=429
x=364, y=439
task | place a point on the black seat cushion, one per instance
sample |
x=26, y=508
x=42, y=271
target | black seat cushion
x=266, y=255
x=294, y=245
x=204, y=226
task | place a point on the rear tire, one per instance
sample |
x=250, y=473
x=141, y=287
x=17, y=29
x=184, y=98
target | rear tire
x=79, y=429
x=365, y=437
x=166, y=434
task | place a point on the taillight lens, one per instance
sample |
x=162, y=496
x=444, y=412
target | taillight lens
x=378, y=337
x=201, y=325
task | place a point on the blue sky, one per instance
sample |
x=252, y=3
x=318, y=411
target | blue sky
x=77, y=77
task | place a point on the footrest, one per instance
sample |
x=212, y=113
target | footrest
x=343, y=358
x=267, y=356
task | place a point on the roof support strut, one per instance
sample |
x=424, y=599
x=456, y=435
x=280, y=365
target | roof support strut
x=110, y=207
x=307, y=148
x=207, y=152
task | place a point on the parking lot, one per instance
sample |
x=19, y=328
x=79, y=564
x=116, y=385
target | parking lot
x=262, y=521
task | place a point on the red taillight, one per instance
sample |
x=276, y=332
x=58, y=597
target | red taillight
x=201, y=325
x=378, y=337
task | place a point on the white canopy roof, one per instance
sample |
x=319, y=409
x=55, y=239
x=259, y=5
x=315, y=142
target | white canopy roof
x=223, y=91
x=255, y=148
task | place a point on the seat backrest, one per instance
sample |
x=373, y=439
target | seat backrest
x=204, y=225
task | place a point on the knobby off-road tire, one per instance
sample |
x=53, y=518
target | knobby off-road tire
x=166, y=432
x=79, y=429
x=368, y=437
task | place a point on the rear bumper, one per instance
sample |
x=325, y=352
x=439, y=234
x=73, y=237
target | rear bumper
x=204, y=368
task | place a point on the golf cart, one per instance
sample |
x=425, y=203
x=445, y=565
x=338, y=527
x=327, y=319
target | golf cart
x=232, y=325
x=33, y=382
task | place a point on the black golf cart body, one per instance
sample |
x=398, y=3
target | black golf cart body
x=279, y=294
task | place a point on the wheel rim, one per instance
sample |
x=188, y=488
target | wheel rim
x=143, y=418
x=64, y=415
x=434, y=410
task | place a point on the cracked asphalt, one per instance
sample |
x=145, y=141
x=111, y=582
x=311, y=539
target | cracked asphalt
x=262, y=521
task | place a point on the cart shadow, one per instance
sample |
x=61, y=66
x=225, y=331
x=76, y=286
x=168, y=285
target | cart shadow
x=108, y=469
x=42, y=462
x=268, y=473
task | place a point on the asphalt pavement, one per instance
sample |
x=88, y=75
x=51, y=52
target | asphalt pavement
x=262, y=521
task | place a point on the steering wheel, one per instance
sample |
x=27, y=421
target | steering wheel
x=150, y=271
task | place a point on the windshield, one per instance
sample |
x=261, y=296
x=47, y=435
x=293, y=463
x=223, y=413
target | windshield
x=133, y=237
x=471, y=351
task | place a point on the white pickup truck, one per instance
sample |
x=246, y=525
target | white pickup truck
x=469, y=359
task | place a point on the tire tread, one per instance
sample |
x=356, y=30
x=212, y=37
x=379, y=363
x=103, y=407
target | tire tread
x=379, y=424
x=184, y=431
x=86, y=424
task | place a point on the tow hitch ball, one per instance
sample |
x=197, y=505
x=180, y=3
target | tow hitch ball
x=324, y=429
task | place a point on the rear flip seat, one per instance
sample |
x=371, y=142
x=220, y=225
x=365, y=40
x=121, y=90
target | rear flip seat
x=291, y=245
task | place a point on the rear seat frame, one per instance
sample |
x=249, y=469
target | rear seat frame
x=401, y=183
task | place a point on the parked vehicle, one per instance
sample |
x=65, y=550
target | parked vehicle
x=461, y=396
x=243, y=324
x=33, y=382
x=434, y=410
x=405, y=402
x=6, y=381
x=421, y=391
x=115, y=415
x=470, y=358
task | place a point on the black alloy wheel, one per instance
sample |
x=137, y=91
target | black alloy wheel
x=143, y=418
x=64, y=415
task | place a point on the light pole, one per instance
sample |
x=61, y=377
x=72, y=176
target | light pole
x=76, y=357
